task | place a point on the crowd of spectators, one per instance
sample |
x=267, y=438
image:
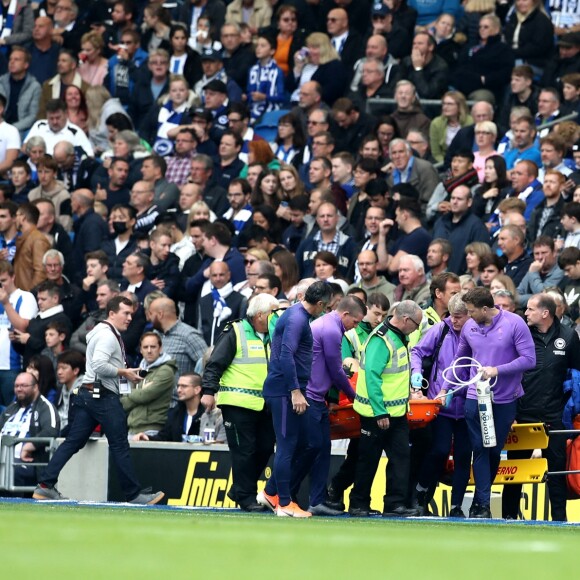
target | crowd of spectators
x=197, y=154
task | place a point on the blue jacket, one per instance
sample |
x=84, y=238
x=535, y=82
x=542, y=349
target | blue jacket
x=308, y=248
x=426, y=347
x=268, y=80
x=572, y=408
x=124, y=93
x=291, y=353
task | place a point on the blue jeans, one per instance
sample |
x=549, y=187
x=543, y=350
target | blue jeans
x=89, y=412
x=486, y=459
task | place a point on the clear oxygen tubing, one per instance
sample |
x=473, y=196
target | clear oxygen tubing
x=483, y=389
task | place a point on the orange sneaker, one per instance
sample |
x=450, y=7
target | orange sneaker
x=269, y=501
x=292, y=510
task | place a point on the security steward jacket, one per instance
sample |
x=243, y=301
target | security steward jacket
x=382, y=388
x=556, y=351
x=238, y=367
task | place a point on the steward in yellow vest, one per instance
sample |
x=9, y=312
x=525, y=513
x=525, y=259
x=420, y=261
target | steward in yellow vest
x=235, y=373
x=382, y=397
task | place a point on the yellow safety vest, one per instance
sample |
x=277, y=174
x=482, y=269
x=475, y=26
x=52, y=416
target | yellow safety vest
x=429, y=319
x=395, y=387
x=354, y=340
x=242, y=382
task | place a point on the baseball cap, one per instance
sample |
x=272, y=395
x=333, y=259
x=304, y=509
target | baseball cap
x=570, y=39
x=381, y=10
x=211, y=54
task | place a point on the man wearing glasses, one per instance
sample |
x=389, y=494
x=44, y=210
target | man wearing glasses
x=30, y=415
x=382, y=397
x=240, y=212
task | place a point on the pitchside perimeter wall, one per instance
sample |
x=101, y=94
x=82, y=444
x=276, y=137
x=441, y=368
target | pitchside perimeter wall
x=199, y=475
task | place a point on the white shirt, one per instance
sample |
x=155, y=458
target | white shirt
x=339, y=41
x=71, y=133
x=25, y=304
x=9, y=139
x=18, y=426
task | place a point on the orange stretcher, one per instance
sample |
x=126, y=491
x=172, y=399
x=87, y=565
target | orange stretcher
x=345, y=421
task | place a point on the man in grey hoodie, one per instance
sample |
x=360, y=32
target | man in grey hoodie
x=97, y=402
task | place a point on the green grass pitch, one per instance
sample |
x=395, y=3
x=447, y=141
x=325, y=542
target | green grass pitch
x=75, y=542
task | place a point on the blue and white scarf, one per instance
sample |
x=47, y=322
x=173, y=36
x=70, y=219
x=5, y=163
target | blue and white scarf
x=168, y=118
x=7, y=20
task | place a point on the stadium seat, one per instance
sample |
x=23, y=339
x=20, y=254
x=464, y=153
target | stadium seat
x=267, y=125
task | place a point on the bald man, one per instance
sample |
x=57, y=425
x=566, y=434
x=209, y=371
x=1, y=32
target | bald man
x=180, y=341
x=90, y=229
x=346, y=41
x=221, y=305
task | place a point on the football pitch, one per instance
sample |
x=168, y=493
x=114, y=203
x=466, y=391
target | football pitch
x=82, y=542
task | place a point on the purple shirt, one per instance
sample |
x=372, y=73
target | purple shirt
x=327, y=333
x=507, y=345
x=426, y=347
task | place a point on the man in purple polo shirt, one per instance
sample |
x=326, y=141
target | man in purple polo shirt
x=313, y=452
x=284, y=389
x=502, y=343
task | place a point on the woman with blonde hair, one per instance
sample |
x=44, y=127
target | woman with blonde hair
x=454, y=116
x=94, y=66
x=530, y=33
x=251, y=257
x=200, y=211
x=503, y=282
x=485, y=137
x=319, y=62
x=101, y=106
x=468, y=24
x=290, y=183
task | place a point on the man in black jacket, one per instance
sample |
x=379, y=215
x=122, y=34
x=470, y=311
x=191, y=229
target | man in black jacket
x=50, y=310
x=185, y=417
x=427, y=71
x=557, y=350
x=30, y=415
x=238, y=58
x=90, y=229
x=164, y=269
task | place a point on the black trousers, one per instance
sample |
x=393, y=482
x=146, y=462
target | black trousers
x=555, y=453
x=251, y=441
x=394, y=441
x=344, y=477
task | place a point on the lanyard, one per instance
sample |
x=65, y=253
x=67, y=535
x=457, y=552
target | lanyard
x=118, y=340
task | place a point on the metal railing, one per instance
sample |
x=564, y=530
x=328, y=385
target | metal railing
x=8, y=463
